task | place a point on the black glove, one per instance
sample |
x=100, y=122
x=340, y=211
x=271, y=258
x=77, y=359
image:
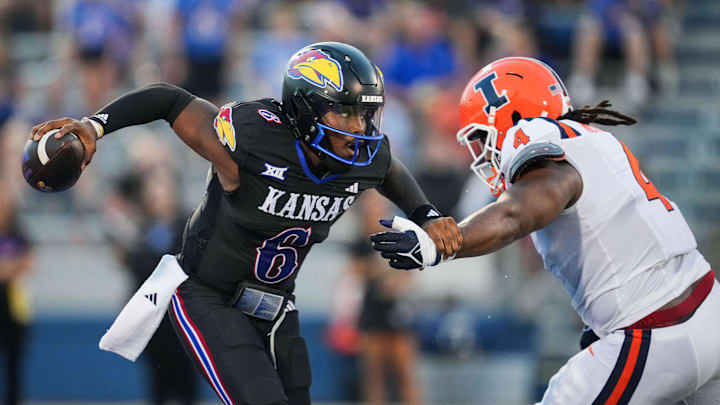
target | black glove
x=404, y=250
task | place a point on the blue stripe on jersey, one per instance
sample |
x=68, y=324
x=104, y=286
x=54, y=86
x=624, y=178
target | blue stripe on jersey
x=563, y=133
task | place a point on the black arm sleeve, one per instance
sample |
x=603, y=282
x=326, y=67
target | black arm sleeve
x=149, y=103
x=401, y=188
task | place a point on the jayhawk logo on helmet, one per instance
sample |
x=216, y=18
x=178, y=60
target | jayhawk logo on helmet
x=497, y=96
x=316, y=67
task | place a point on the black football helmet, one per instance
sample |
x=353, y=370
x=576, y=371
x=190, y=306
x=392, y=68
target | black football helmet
x=332, y=76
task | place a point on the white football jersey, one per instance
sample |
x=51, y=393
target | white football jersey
x=622, y=250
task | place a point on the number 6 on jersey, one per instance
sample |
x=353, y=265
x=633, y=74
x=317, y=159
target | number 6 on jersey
x=281, y=246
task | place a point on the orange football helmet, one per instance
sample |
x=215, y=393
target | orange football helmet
x=495, y=99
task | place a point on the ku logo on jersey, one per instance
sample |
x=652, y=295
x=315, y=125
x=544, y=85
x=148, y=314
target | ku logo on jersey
x=269, y=116
x=224, y=127
x=316, y=67
x=274, y=171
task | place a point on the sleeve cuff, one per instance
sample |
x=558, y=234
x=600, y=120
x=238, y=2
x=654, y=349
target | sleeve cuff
x=98, y=127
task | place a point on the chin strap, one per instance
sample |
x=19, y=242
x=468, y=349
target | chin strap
x=294, y=124
x=291, y=121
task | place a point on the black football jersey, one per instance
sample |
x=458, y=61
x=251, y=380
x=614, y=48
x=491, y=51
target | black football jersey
x=263, y=231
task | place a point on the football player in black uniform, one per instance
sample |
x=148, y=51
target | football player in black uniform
x=282, y=173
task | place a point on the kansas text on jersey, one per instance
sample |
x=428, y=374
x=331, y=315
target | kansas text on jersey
x=263, y=230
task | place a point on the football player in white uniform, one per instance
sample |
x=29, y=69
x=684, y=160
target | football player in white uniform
x=623, y=251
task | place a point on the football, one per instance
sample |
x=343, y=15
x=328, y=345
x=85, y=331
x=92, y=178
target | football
x=53, y=164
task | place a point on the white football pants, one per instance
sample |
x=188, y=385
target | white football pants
x=673, y=365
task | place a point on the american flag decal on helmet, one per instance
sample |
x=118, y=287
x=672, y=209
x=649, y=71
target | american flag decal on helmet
x=555, y=89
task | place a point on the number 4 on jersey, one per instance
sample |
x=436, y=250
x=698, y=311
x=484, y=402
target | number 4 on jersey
x=650, y=191
x=520, y=138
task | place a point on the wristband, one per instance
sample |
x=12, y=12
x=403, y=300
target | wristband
x=99, y=130
x=424, y=213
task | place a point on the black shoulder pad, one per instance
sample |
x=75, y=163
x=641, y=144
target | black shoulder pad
x=532, y=154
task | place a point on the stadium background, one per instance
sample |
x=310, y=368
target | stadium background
x=493, y=329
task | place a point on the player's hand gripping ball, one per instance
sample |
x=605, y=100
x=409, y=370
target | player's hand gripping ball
x=53, y=164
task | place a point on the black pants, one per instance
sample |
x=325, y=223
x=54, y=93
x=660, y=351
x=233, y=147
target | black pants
x=12, y=339
x=232, y=350
x=173, y=377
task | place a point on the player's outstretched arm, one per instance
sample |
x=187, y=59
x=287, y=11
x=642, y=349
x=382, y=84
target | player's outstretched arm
x=401, y=188
x=191, y=118
x=545, y=189
x=534, y=201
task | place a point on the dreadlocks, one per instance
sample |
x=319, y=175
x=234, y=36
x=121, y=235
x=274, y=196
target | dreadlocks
x=598, y=114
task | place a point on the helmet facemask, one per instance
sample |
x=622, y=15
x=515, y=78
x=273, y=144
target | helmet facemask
x=366, y=144
x=481, y=139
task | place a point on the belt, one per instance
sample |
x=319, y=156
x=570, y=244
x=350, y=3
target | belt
x=264, y=303
x=260, y=301
x=681, y=312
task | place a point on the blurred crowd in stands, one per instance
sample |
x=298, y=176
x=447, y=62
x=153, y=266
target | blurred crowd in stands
x=69, y=57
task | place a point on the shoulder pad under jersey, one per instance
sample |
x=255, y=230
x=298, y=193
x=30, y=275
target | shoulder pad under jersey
x=526, y=134
x=534, y=153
